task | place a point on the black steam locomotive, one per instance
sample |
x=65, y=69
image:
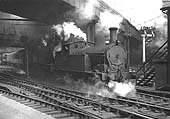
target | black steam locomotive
x=106, y=60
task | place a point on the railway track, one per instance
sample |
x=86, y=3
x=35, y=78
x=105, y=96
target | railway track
x=72, y=104
x=56, y=111
x=142, y=106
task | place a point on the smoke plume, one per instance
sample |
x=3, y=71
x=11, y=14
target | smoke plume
x=87, y=12
x=69, y=28
x=108, y=19
x=99, y=88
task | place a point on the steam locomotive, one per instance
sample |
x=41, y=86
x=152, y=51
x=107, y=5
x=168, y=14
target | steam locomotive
x=106, y=60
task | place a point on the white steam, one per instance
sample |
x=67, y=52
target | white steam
x=58, y=28
x=108, y=19
x=88, y=11
x=113, y=89
x=121, y=89
x=69, y=28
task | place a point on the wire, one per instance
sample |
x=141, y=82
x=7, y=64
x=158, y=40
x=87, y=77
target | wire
x=151, y=19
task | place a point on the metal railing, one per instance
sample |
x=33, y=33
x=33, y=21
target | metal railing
x=148, y=67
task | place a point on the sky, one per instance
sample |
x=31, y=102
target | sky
x=139, y=11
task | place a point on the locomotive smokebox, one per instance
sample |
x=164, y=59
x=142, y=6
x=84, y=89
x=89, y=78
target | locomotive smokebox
x=113, y=34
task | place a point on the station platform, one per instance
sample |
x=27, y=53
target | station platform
x=10, y=109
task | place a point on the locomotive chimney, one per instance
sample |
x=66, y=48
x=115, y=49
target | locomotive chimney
x=91, y=31
x=99, y=40
x=113, y=34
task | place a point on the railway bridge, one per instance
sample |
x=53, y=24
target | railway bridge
x=56, y=11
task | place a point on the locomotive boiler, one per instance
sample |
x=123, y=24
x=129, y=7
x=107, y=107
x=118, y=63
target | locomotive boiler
x=107, y=60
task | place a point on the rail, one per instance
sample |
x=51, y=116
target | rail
x=135, y=107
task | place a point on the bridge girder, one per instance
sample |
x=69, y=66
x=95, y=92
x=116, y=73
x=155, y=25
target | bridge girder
x=37, y=10
x=56, y=11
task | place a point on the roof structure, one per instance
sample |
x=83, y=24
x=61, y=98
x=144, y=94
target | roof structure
x=54, y=11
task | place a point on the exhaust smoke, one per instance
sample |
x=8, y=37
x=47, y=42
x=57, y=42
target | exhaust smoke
x=87, y=12
x=108, y=20
x=122, y=89
x=112, y=89
x=69, y=28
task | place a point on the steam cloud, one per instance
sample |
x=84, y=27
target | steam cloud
x=122, y=89
x=112, y=89
x=108, y=20
x=69, y=28
x=89, y=10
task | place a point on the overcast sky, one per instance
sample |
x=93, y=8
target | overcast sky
x=139, y=11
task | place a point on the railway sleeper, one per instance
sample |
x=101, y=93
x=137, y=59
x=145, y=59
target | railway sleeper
x=62, y=115
x=32, y=105
x=119, y=105
x=43, y=109
x=53, y=112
